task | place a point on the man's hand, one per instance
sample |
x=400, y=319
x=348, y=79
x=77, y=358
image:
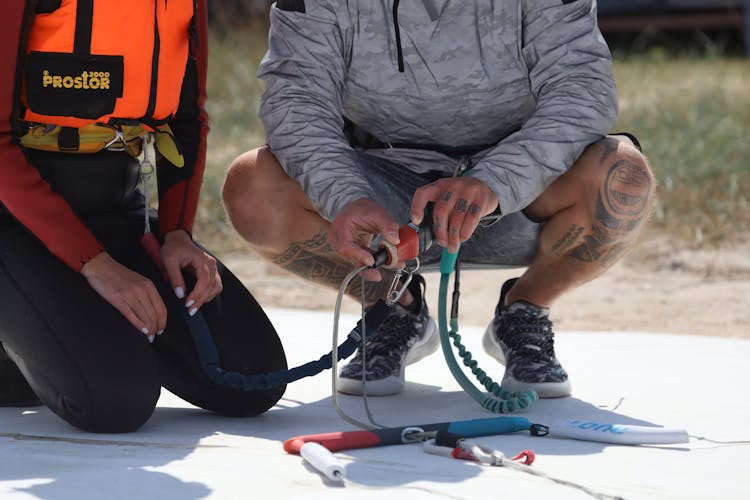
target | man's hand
x=459, y=204
x=353, y=230
x=179, y=252
x=135, y=296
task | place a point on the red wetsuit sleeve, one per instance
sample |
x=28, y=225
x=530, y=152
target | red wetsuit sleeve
x=22, y=190
x=179, y=188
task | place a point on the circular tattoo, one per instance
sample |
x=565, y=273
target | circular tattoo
x=626, y=188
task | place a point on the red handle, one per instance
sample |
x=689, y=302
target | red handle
x=334, y=441
x=408, y=246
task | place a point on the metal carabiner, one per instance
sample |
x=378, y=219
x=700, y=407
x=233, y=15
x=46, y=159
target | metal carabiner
x=110, y=146
x=395, y=291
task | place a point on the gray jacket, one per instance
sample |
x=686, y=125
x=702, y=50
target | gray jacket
x=533, y=77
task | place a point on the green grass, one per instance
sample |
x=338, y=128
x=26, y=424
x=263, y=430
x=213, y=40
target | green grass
x=691, y=113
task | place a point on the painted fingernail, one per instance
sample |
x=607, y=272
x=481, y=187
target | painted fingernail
x=160, y=332
x=179, y=292
x=193, y=311
x=190, y=303
x=151, y=339
x=144, y=330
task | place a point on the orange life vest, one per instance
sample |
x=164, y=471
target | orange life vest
x=107, y=61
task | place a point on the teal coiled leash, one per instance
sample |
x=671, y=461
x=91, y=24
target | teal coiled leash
x=501, y=401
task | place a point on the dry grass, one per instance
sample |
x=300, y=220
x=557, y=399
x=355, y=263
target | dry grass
x=692, y=116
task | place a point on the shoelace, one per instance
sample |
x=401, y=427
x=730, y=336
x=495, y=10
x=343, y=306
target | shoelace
x=384, y=347
x=396, y=330
x=387, y=347
x=528, y=335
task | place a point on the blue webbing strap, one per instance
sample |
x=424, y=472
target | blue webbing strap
x=209, y=357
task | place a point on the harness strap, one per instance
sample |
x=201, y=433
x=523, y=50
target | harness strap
x=68, y=140
x=97, y=137
x=84, y=27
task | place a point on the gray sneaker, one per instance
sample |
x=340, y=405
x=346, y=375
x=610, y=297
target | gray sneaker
x=520, y=337
x=404, y=337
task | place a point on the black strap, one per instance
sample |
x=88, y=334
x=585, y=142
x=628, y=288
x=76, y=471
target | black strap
x=84, y=27
x=360, y=138
x=291, y=5
x=68, y=140
x=47, y=6
x=209, y=356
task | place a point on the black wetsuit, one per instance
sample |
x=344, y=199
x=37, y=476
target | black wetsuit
x=84, y=360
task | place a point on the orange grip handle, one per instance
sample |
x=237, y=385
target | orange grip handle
x=408, y=246
x=334, y=441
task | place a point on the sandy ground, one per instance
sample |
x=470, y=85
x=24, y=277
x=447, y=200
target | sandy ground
x=659, y=287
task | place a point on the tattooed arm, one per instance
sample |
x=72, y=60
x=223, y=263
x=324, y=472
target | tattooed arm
x=570, y=73
x=315, y=260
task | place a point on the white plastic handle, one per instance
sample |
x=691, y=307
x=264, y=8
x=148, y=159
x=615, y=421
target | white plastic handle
x=323, y=460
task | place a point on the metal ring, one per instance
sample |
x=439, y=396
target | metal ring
x=412, y=435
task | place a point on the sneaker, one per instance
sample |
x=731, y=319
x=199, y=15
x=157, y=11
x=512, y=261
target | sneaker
x=14, y=390
x=404, y=337
x=520, y=337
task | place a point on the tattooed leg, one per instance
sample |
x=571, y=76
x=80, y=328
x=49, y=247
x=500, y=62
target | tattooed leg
x=593, y=215
x=314, y=260
x=271, y=212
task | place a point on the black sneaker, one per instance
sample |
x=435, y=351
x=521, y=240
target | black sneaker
x=14, y=390
x=520, y=337
x=404, y=337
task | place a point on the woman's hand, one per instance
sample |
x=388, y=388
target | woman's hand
x=135, y=296
x=179, y=252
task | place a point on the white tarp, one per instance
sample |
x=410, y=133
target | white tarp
x=694, y=383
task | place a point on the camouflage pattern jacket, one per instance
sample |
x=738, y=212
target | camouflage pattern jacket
x=532, y=77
